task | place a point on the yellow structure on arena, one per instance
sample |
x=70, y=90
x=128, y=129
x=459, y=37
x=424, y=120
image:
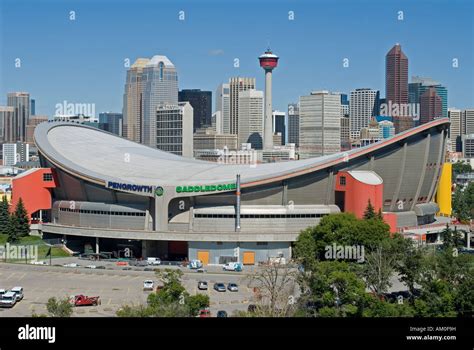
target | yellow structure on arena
x=443, y=195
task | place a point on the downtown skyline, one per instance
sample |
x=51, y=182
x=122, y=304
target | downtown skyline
x=90, y=52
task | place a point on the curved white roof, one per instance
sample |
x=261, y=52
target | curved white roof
x=100, y=156
x=366, y=176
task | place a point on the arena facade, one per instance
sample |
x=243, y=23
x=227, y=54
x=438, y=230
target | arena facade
x=101, y=187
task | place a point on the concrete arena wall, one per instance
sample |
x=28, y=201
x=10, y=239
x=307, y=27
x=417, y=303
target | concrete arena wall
x=262, y=252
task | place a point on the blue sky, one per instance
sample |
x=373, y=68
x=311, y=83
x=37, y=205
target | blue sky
x=82, y=61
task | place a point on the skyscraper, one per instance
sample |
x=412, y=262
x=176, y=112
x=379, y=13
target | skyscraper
x=111, y=122
x=456, y=129
x=396, y=76
x=30, y=128
x=160, y=87
x=20, y=101
x=279, y=125
x=362, y=107
x=320, y=124
x=174, y=129
x=223, y=106
x=201, y=101
x=7, y=125
x=294, y=124
x=132, y=101
x=236, y=85
x=419, y=85
x=431, y=106
x=468, y=116
x=251, y=118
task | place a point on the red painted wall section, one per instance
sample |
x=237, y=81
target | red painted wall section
x=32, y=187
x=357, y=195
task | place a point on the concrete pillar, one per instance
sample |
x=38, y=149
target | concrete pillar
x=97, y=248
x=468, y=240
x=268, y=122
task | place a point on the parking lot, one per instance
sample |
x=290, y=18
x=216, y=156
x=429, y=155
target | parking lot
x=115, y=286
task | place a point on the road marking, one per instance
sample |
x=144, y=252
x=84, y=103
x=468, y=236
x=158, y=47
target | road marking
x=110, y=300
x=22, y=276
x=11, y=275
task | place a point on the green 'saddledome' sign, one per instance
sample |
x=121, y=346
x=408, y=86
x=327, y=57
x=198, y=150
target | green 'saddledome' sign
x=206, y=188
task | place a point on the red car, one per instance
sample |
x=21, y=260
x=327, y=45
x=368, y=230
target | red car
x=204, y=313
x=82, y=300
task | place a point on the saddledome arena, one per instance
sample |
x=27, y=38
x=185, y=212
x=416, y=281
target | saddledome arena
x=105, y=188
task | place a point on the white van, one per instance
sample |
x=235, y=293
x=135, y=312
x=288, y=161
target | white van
x=8, y=300
x=153, y=261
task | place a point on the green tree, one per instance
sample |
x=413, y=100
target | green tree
x=331, y=289
x=340, y=229
x=59, y=308
x=20, y=220
x=379, y=267
x=369, y=212
x=410, y=265
x=463, y=201
x=12, y=232
x=196, y=303
x=4, y=216
x=461, y=168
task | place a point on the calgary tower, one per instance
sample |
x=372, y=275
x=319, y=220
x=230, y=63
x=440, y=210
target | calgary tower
x=268, y=61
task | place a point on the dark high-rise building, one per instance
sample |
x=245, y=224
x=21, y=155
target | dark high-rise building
x=279, y=125
x=111, y=122
x=201, y=101
x=431, y=106
x=396, y=76
x=294, y=124
x=33, y=106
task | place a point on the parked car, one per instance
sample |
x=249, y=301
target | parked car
x=18, y=293
x=233, y=266
x=202, y=285
x=233, y=287
x=204, y=313
x=2, y=291
x=195, y=264
x=71, y=265
x=83, y=300
x=8, y=300
x=148, y=285
x=252, y=308
x=221, y=313
x=153, y=261
x=220, y=287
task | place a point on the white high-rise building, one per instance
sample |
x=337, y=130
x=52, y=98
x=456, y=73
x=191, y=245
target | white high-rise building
x=251, y=118
x=13, y=153
x=320, y=124
x=160, y=87
x=216, y=121
x=236, y=85
x=362, y=107
x=456, y=128
x=174, y=129
x=223, y=106
x=132, y=101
